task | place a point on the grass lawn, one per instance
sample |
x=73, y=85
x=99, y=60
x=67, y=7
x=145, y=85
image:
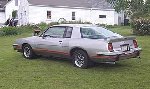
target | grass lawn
x=17, y=72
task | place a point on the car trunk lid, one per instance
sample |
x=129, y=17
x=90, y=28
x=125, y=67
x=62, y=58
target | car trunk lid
x=121, y=44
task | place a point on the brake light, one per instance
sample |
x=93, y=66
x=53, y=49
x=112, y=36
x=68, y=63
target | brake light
x=135, y=43
x=110, y=47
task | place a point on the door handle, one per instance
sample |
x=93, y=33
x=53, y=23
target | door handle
x=60, y=41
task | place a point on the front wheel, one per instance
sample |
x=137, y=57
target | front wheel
x=80, y=59
x=28, y=52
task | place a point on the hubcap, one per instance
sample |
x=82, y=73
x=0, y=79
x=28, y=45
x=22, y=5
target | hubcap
x=79, y=59
x=27, y=52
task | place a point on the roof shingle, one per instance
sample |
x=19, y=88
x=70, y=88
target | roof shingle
x=3, y=3
x=101, y=4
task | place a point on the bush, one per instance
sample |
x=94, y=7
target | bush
x=42, y=26
x=5, y=31
x=141, y=26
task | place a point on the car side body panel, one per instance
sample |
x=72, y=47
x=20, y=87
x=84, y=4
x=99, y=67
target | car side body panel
x=97, y=49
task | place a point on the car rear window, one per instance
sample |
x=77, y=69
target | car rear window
x=97, y=32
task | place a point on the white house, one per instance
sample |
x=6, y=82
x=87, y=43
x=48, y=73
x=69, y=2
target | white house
x=37, y=11
x=94, y=11
x=6, y=9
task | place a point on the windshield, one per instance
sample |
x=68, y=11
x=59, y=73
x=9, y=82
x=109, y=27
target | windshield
x=97, y=33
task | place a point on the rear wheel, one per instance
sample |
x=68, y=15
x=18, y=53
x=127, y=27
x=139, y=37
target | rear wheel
x=80, y=59
x=28, y=52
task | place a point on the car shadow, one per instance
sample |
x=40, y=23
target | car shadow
x=94, y=65
x=108, y=65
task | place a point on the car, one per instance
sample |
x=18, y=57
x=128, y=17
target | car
x=82, y=43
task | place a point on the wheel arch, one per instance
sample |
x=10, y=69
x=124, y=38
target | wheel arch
x=78, y=48
x=24, y=44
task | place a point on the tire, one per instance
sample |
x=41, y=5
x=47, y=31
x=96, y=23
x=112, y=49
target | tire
x=28, y=52
x=80, y=59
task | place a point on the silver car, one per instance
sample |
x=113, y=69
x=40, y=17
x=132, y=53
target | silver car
x=83, y=44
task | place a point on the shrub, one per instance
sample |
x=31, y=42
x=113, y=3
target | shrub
x=77, y=22
x=141, y=26
x=41, y=26
x=53, y=23
x=5, y=31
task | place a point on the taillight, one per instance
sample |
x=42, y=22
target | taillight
x=135, y=43
x=110, y=47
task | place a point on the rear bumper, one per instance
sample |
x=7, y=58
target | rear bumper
x=116, y=56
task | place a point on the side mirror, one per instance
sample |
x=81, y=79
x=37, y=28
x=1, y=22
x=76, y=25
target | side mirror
x=44, y=35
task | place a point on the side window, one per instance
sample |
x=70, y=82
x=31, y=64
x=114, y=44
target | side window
x=86, y=32
x=68, y=32
x=55, y=32
x=90, y=33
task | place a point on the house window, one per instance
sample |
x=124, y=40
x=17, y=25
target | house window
x=25, y=12
x=16, y=2
x=48, y=14
x=102, y=16
x=73, y=16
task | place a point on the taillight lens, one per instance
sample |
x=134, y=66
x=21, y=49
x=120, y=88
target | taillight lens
x=135, y=43
x=110, y=47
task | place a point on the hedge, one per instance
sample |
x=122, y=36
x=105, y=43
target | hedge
x=7, y=31
x=141, y=26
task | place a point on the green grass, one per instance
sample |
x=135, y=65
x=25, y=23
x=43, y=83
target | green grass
x=17, y=72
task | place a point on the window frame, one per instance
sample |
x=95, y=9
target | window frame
x=49, y=14
x=67, y=28
x=91, y=35
x=64, y=34
x=102, y=16
x=73, y=15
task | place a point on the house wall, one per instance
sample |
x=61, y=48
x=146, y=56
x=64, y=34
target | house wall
x=10, y=7
x=2, y=17
x=23, y=12
x=38, y=14
x=119, y=18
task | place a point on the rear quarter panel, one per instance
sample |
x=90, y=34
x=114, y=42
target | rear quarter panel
x=92, y=46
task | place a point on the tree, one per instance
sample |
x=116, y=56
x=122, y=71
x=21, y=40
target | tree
x=147, y=7
x=132, y=8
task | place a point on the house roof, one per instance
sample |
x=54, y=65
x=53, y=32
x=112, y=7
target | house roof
x=101, y=4
x=3, y=3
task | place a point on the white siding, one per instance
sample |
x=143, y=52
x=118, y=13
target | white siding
x=9, y=8
x=119, y=18
x=2, y=17
x=23, y=12
x=39, y=14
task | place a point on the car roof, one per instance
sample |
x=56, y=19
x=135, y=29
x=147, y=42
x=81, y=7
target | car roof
x=77, y=25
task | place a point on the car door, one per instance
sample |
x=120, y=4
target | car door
x=55, y=41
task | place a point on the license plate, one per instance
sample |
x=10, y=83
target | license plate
x=125, y=48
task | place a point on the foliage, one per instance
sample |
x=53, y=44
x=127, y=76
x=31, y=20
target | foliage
x=14, y=14
x=141, y=26
x=7, y=31
x=53, y=23
x=132, y=8
x=77, y=22
x=147, y=7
